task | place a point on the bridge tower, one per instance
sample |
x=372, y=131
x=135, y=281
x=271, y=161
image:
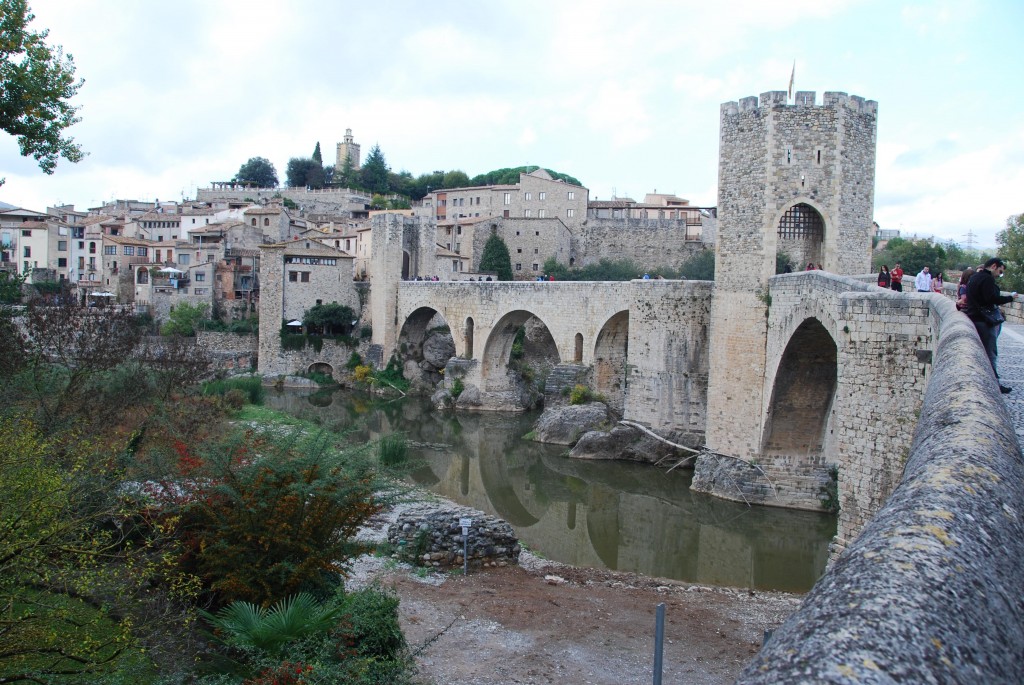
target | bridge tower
x=795, y=179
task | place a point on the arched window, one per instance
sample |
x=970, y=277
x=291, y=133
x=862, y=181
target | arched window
x=254, y=221
x=801, y=222
x=266, y=221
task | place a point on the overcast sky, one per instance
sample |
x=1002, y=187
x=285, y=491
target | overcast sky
x=622, y=95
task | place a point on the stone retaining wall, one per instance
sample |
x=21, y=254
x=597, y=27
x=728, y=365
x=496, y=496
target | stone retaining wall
x=430, y=535
x=932, y=590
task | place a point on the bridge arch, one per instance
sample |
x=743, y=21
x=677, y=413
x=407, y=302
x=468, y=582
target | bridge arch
x=611, y=349
x=801, y=230
x=321, y=367
x=426, y=339
x=803, y=394
x=498, y=349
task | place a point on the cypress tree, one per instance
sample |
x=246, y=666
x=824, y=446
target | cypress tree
x=496, y=258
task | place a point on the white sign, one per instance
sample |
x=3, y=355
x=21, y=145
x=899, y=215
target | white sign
x=465, y=523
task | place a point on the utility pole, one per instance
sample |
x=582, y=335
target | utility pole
x=969, y=239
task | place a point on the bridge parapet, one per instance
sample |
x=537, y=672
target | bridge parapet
x=931, y=591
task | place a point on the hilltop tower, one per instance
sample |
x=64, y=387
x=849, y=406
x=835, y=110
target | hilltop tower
x=795, y=179
x=347, y=148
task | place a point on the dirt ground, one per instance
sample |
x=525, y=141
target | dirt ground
x=541, y=622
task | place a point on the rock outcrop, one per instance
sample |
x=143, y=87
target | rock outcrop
x=564, y=425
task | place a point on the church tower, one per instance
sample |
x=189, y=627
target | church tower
x=347, y=148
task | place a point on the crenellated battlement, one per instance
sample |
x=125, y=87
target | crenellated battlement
x=803, y=98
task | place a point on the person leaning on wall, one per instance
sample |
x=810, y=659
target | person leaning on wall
x=983, y=300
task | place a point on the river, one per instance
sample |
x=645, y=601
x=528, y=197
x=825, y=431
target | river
x=615, y=515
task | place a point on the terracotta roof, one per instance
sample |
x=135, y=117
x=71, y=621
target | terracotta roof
x=264, y=210
x=610, y=204
x=157, y=216
x=33, y=224
x=445, y=252
x=121, y=240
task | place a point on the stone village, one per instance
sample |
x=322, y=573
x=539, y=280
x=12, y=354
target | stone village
x=772, y=379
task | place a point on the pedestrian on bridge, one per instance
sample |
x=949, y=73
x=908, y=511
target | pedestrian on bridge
x=923, y=281
x=983, y=300
x=896, y=276
x=884, y=277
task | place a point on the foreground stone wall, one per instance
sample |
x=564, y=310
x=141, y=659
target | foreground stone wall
x=430, y=535
x=648, y=243
x=932, y=590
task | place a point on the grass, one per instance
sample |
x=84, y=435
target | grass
x=250, y=386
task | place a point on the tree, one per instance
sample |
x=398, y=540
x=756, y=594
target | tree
x=346, y=176
x=184, y=319
x=257, y=170
x=496, y=258
x=305, y=172
x=374, y=173
x=317, y=157
x=1011, y=251
x=701, y=266
x=329, y=319
x=37, y=83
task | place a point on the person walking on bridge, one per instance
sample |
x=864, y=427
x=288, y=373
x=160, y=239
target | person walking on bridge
x=923, y=282
x=983, y=300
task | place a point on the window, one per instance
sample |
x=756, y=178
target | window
x=26, y=233
x=541, y=213
x=529, y=196
x=519, y=250
x=28, y=251
x=305, y=276
x=254, y=221
x=536, y=251
x=183, y=259
x=536, y=266
x=508, y=198
x=266, y=221
x=537, y=233
x=142, y=251
x=128, y=250
x=200, y=277
x=519, y=267
x=209, y=257
x=197, y=291
x=109, y=249
x=458, y=231
x=571, y=195
x=81, y=244
x=62, y=246
x=527, y=212
x=92, y=248
x=62, y=262
x=570, y=213
x=293, y=276
x=542, y=195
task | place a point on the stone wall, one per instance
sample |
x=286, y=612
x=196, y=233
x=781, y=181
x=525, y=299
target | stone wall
x=667, y=366
x=230, y=352
x=648, y=243
x=430, y=535
x=931, y=591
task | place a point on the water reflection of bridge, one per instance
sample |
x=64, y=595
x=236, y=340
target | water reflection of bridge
x=600, y=514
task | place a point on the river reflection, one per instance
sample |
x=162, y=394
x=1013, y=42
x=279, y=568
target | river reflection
x=614, y=515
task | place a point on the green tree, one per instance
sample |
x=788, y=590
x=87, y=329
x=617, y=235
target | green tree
x=1011, y=251
x=914, y=255
x=345, y=177
x=317, y=157
x=496, y=258
x=374, y=173
x=184, y=319
x=259, y=171
x=37, y=83
x=511, y=175
x=305, y=172
x=329, y=319
x=701, y=267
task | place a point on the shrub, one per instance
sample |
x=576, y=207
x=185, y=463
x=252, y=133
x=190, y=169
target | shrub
x=580, y=394
x=270, y=516
x=392, y=449
x=354, y=360
x=457, y=387
x=234, y=398
x=184, y=319
x=251, y=388
x=363, y=373
x=365, y=332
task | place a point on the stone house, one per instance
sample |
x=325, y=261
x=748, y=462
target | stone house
x=299, y=274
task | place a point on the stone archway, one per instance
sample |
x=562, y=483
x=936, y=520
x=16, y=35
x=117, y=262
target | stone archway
x=519, y=342
x=142, y=276
x=801, y=235
x=321, y=367
x=610, y=354
x=425, y=345
x=803, y=395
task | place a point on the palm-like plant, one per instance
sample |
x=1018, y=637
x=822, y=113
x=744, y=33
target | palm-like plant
x=243, y=624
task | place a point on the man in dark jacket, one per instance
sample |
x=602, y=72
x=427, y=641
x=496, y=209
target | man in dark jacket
x=983, y=300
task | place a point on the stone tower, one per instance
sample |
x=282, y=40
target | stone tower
x=345, y=149
x=797, y=179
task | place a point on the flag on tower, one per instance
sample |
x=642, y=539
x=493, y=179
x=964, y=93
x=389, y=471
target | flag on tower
x=792, y=76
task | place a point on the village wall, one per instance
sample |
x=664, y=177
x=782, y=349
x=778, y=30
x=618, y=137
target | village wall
x=648, y=243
